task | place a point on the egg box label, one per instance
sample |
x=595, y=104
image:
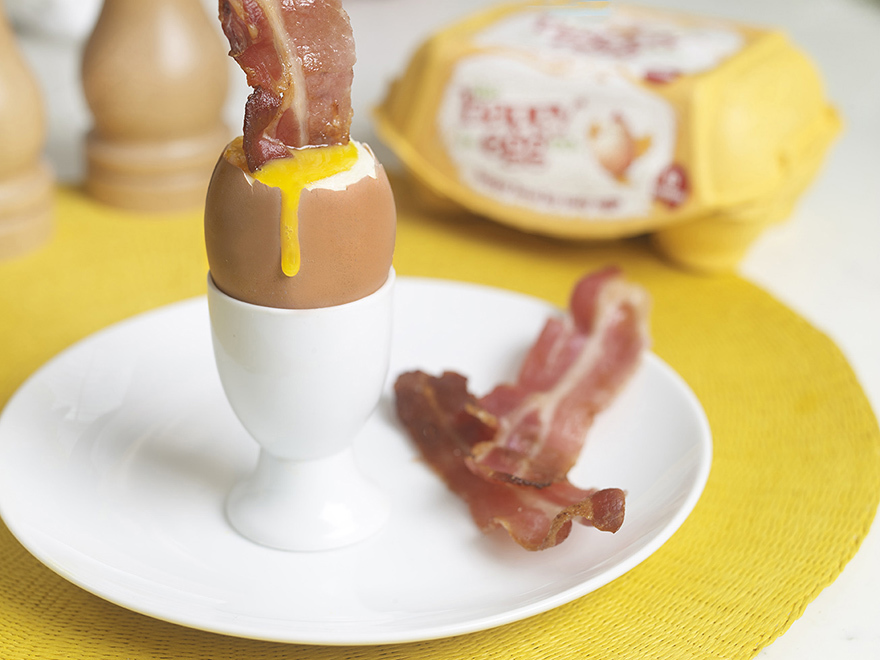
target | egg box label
x=638, y=42
x=568, y=139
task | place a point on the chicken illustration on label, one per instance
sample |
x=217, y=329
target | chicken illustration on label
x=615, y=147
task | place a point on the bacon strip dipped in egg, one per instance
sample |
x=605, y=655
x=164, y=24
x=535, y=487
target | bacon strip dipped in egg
x=299, y=57
x=508, y=453
x=297, y=215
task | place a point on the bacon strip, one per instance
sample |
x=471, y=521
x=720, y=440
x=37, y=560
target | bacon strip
x=437, y=414
x=535, y=428
x=507, y=454
x=299, y=57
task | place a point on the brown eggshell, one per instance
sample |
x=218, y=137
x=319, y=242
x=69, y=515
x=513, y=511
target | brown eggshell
x=346, y=240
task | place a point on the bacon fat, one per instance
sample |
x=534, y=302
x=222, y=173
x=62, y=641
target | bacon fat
x=299, y=57
x=507, y=454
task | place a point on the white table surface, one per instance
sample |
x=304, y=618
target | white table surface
x=823, y=262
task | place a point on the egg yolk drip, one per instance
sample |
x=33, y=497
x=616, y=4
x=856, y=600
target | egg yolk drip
x=291, y=175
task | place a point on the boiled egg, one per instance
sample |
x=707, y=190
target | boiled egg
x=316, y=229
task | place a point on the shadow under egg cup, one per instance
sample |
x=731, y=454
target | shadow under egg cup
x=304, y=382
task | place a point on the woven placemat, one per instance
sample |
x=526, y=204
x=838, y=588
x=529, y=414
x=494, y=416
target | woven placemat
x=794, y=485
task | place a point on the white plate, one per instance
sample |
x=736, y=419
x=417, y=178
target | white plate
x=116, y=456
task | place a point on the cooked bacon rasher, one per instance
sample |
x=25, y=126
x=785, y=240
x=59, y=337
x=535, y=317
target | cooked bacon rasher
x=299, y=57
x=507, y=455
x=575, y=369
x=537, y=518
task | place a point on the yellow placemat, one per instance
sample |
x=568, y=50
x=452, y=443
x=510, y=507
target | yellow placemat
x=794, y=484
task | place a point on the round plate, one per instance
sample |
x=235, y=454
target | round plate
x=116, y=457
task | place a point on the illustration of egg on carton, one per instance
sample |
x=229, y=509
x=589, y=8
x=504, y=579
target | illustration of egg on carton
x=565, y=123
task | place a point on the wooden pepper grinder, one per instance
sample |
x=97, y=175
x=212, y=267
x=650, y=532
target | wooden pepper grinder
x=25, y=178
x=155, y=76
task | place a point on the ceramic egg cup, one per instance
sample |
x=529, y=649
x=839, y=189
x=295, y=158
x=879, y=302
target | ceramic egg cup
x=304, y=382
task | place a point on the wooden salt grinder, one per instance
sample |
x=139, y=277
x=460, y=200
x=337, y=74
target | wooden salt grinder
x=25, y=178
x=155, y=76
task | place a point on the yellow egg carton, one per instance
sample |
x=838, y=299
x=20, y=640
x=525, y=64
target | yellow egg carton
x=563, y=121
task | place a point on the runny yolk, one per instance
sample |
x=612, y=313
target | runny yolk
x=291, y=176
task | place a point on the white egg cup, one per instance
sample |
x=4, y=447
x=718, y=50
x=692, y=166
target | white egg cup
x=304, y=382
